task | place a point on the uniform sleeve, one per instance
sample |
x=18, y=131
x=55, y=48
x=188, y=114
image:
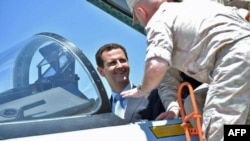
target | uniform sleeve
x=159, y=40
x=168, y=89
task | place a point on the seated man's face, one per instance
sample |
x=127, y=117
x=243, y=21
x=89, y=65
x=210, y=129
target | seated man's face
x=116, y=67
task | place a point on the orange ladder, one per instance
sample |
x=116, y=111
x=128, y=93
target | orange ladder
x=190, y=131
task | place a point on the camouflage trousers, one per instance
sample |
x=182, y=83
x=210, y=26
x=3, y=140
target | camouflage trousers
x=226, y=99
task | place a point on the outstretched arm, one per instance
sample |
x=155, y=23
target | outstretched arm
x=154, y=72
x=168, y=93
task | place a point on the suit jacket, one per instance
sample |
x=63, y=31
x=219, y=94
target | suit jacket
x=143, y=109
x=194, y=83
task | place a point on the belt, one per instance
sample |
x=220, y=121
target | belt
x=248, y=17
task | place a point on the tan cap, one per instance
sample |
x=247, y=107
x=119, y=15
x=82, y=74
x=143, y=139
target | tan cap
x=131, y=4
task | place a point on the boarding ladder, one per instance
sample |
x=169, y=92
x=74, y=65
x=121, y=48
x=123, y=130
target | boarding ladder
x=189, y=130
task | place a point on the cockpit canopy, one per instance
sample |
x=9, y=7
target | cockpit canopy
x=47, y=76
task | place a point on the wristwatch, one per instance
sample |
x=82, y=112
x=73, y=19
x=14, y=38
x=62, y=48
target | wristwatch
x=140, y=91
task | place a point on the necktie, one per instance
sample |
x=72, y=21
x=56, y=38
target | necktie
x=120, y=99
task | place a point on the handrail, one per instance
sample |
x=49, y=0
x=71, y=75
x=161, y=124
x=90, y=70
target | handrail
x=190, y=131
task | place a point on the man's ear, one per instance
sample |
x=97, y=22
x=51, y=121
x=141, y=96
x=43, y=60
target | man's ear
x=100, y=70
x=140, y=13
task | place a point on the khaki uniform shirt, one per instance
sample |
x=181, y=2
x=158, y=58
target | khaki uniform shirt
x=190, y=37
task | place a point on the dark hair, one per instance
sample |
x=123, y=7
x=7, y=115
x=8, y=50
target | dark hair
x=107, y=47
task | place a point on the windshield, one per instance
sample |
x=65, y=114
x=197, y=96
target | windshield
x=46, y=77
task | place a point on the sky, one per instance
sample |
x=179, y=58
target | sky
x=79, y=21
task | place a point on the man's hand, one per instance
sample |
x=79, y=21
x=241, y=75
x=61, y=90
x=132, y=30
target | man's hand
x=167, y=115
x=133, y=93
